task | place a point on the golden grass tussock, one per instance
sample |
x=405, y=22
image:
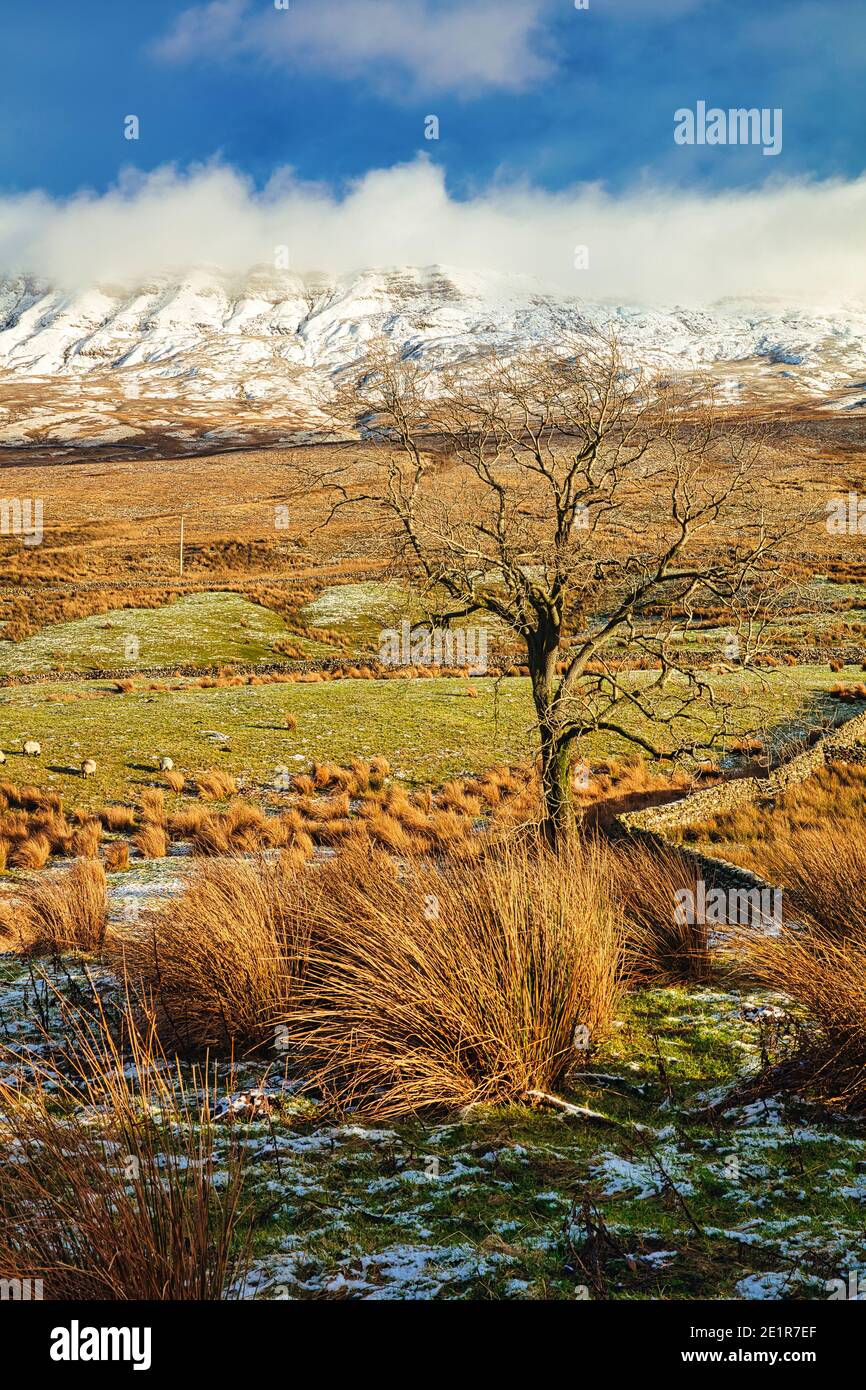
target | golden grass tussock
x=174, y=780
x=221, y=963
x=823, y=973
x=329, y=776
x=117, y=819
x=395, y=985
x=385, y=829
x=151, y=841
x=114, y=1193
x=31, y=853
x=215, y=785
x=663, y=944
x=64, y=911
x=29, y=797
x=55, y=825
x=241, y=828
x=115, y=856
x=430, y=988
x=335, y=831
x=183, y=824
x=151, y=800
x=86, y=840
x=824, y=877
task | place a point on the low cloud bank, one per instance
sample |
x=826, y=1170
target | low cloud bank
x=801, y=241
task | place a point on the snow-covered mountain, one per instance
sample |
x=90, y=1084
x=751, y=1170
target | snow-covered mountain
x=207, y=357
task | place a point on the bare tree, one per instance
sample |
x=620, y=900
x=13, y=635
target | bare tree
x=595, y=510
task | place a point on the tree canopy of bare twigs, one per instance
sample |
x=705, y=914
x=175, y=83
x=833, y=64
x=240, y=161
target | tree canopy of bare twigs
x=593, y=508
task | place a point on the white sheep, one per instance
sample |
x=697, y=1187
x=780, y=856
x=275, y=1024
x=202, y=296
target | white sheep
x=2, y=756
x=88, y=767
x=32, y=749
x=165, y=764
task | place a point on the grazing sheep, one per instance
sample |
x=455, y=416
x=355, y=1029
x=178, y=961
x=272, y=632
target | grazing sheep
x=165, y=764
x=32, y=749
x=88, y=767
x=2, y=756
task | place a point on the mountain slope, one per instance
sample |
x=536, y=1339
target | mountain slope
x=203, y=356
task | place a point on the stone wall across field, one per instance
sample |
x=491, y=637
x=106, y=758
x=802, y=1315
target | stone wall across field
x=845, y=744
x=716, y=873
x=296, y=665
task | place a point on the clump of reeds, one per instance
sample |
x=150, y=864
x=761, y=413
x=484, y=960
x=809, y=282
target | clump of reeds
x=650, y=882
x=215, y=785
x=823, y=973
x=111, y=1188
x=66, y=911
x=151, y=841
x=429, y=988
x=115, y=856
x=221, y=961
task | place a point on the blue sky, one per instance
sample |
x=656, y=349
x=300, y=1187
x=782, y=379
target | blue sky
x=526, y=89
x=304, y=127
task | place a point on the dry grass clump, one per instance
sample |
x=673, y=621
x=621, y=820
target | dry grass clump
x=31, y=853
x=115, y=856
x=215, y=785
x=183, y=824
x=66, y=911
x=663, y=945
x=330, y=777
x=242, y=828
x=175, y=781
x=151, y=841
x=823, y=973
x=221, y=963
x=849, y=694
x=427, y=989
x=152, y=803
x=824, y=873
x=86, y=840
x=117, y=819
x=819, y=961
x=29, y=798
x=114, y=1193
x=395, y=985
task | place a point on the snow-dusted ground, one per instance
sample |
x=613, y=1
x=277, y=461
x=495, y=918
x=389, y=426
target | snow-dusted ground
x=104, y=358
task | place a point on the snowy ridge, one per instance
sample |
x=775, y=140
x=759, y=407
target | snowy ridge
x=268, y=340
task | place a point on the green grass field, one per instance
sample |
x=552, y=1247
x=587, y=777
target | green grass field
x=428, y=729
x=200, y=629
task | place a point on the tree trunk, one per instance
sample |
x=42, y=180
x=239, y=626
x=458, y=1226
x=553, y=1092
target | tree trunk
x=558, y=819
x=557, y=824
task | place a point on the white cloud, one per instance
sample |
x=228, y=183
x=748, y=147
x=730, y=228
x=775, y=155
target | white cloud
x=800, y=240
x=467, y=46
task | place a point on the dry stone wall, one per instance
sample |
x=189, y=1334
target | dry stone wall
x=845, y=744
